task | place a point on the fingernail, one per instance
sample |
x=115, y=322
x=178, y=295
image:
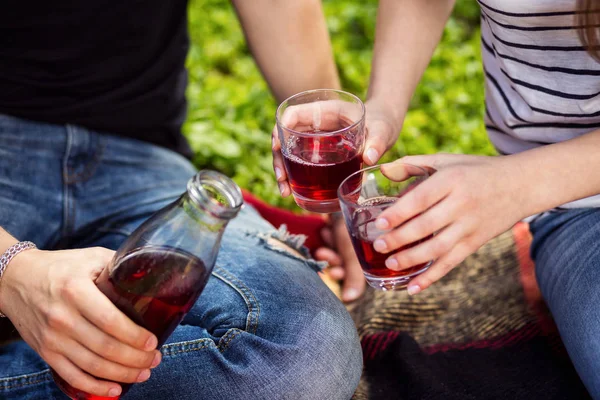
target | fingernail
x=391, y=263
x=114, y=392
x=350, y=294
x=281, y=188
x=144, y=375
x=151, y=343
x=379, y=245
x=413, y=289
x=372, y=155
x=157, y=359
x=382, y=223
x=278, y=173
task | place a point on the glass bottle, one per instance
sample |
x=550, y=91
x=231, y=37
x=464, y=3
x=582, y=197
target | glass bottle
x=158, y=273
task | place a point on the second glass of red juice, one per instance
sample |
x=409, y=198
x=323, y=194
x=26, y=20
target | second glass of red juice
x=322, y=134
x=363, y=196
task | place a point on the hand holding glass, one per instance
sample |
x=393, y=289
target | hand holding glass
x=363, y=196
x=322, y=134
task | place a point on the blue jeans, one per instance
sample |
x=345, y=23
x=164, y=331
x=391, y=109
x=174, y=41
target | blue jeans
x=566, y=251
x=265, y=327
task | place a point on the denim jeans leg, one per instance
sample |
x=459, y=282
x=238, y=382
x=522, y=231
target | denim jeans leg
x=566, y=251
x=266, y=327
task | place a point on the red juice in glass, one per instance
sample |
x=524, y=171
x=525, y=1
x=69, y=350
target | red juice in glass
x=373, y=262
x=364, y=233
x=322, y=135
x=363, y=197
x=317, y=166
x=147, y=286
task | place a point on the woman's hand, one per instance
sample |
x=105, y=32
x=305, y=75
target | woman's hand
x=52, y=300
x=381, y=123
x=466, y=202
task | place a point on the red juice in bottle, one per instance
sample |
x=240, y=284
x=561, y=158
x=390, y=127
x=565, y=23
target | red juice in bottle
x=160, y=270
x=155, y=287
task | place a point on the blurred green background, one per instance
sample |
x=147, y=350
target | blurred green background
x=231, y=111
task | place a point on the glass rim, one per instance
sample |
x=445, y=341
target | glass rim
x=223, y=185
x=342, y=197
x=324, y=134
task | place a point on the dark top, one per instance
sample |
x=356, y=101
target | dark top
x=111, y=66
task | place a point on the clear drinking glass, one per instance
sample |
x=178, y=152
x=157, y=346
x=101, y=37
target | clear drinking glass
x=322, y=134
x=363, y=196
x=158, y=273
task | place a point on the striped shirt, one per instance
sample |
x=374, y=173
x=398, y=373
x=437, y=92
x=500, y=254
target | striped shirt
x=542, y=86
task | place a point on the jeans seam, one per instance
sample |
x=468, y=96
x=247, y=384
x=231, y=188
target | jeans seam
x=9, y=386
x=66, y=189
x=224, y=343
x=89, y=167
x=176, y=348
x=251, y=321
x=227, y=338
x=251, y=301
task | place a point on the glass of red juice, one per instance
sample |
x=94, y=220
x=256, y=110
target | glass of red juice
x=363, y=196
x=322, y=135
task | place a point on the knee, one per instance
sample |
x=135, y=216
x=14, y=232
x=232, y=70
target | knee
x=328, y=363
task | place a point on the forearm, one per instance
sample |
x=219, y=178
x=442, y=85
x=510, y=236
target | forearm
x=556, y=174
x=290, y=43
x=408, y=32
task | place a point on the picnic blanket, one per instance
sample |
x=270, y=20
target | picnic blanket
x=482, y=332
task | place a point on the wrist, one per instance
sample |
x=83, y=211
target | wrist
x=12, y=260
x=393, y=111
x=529, y=191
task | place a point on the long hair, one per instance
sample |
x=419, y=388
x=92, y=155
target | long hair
x=588, y=18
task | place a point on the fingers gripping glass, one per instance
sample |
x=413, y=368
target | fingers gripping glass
x=363, y=196
x=322, y=134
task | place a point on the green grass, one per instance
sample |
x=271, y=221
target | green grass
x=231, y=112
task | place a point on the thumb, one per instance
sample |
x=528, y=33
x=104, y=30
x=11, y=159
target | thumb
x=354, y=282
x=97, y=260
x=380, y=137
x=431, y=162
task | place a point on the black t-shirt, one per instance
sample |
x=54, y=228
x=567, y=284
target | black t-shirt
x=112, y=66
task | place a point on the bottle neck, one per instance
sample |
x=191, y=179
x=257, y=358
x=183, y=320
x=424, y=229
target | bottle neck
x=212, y=198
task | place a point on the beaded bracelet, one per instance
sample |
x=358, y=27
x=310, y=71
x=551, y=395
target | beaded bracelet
x=9, y=255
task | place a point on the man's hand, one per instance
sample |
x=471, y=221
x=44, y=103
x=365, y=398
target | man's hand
x=342, y=259
x=383, y=126
x=52, y=299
